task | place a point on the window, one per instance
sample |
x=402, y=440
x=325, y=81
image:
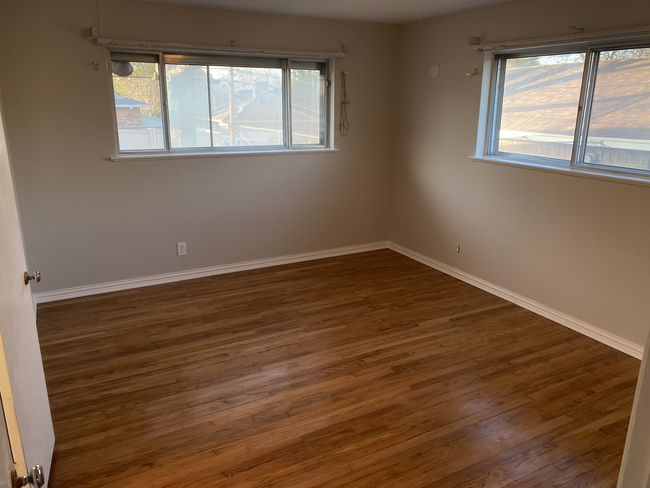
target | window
x=583, y=107
x=538, y=106
x=138, y=107
x=616, y=127
x=218, y=103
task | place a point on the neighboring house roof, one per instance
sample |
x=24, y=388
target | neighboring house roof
x=544, y=99
x=121, y=101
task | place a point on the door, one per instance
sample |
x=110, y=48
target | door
x=22, y=382
x=635, y=468
x=6, y=459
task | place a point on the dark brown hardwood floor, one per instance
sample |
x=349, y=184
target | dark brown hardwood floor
x=368, y=370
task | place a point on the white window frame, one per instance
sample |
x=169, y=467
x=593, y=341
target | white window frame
x=492, y=91
x=194, y=55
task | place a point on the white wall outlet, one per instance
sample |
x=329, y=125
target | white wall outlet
x=181, y=249
x=458, y=248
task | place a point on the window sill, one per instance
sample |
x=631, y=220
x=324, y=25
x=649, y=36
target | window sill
x=210, y=155
x=582, y=173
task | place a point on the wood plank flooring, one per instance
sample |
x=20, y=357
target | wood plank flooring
x=368, y=370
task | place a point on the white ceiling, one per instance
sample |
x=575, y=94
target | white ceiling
x=391, y=11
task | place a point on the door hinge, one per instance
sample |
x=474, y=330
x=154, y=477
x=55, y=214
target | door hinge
x=35, y=478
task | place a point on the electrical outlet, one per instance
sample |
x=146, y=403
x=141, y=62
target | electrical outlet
x=458, y=248
x=181, y=249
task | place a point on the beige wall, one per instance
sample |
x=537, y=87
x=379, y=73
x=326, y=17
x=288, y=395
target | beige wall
x=576, y=245
x=88, y=220
x=579, y=246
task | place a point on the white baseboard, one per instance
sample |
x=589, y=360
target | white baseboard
x=623, y=345
x=595, y=333
x=83, y=291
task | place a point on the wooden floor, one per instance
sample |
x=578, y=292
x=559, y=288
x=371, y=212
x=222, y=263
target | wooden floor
x=369, y=370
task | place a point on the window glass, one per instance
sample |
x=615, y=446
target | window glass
x=187, y=102
x=619, y=122
x=306, y=106
x=138, y=111
x=210, y=103
x=246, y=106
x=540, y=104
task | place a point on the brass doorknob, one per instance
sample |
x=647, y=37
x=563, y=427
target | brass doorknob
x=36, y=276
x=34, y=478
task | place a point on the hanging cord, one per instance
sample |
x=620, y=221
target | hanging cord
x=344, y=123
